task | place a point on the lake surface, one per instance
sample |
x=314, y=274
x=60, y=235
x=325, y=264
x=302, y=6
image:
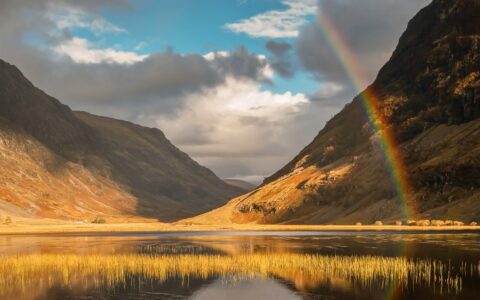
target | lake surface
x=242, y=265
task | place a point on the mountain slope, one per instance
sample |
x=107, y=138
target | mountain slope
x=429, y=95
x=63, y=164
x=241, y=184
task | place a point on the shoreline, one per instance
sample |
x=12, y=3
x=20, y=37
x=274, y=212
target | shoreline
x=132, y=228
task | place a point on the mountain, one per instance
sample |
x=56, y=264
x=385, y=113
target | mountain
x=58, y=163
x=241, y=184
x=428, y=96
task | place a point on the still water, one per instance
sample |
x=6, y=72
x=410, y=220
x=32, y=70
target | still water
x=242, y=265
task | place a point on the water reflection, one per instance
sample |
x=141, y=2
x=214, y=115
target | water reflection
x=241, y=266
x=245, y=289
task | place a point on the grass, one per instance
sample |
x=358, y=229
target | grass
x=53, y=226
x=26, y=272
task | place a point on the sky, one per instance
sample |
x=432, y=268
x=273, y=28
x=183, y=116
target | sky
x=240, y=85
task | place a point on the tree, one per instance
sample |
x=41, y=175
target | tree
x=8, y=221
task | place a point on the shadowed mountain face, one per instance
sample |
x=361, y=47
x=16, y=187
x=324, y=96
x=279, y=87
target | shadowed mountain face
x=429, y=94
x=63, y=164
x=241, y=184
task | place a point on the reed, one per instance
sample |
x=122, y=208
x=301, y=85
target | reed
x=24, y=272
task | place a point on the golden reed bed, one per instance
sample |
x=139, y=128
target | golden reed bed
x=25, y=272
x=58, y=227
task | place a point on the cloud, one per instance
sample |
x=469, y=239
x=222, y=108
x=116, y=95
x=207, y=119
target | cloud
x=327, y=91
x=277, y=23
x=106, y=80
x=165, y=86
x=214, y=106
x=241, y=63
x=68, y=17
x=16, y=16
x=81, y=51
x=159, y=84
x=278, y=48
x=370, y=28
x=49, y=24
x=282, y=60
x=238, y=128
x=230, y=118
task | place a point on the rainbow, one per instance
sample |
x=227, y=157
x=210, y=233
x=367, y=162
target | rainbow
x=370, y=102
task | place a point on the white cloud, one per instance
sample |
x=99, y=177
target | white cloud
x=66, y=17
x=210, y=56
x=277, y=23
x=236, y=123
x=80, y=51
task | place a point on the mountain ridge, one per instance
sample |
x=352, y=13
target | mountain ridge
x=140, y=173
x=429, y=96
x=242, y=184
